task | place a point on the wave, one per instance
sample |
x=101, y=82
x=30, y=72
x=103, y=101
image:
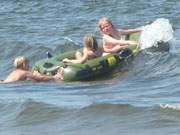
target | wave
x=31, y=112
x=30, y=106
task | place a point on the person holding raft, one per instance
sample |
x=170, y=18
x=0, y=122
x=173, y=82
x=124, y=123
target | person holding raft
x=90, y=51
x=112, y=37
x=22, y=72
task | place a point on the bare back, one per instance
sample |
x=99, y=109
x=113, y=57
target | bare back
x=16, y=75
x=92, y=54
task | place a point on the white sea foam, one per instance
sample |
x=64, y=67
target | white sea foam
x=170, y=106
x=158, y=31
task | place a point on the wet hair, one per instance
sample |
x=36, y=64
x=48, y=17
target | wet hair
x=19, y=61
x=90, y=41
x=104, y=20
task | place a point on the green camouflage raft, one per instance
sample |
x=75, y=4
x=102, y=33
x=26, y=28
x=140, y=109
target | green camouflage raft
x=91, y=68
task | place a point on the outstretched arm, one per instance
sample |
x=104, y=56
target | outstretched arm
x=114, y=49
x=77, y=61
x=38, y=77
x=129, y=31
x=116, y=44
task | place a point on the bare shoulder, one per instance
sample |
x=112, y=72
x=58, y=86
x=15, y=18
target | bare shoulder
x=15, y=75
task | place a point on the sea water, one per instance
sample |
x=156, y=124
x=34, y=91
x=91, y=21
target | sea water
x=142, y=100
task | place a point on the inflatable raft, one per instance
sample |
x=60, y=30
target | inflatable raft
x=91, y=68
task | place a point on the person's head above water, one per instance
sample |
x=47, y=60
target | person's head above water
x=105, y=25
x=21, y=62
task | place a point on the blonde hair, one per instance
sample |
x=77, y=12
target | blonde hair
x=90, y=41
x=104, y=20
x=19, y=61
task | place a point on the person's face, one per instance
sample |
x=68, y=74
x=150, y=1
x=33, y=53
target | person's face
x=106, y=28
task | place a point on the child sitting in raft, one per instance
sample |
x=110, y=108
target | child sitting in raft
x=22, y=72
x=90, y=51
x=112, y=37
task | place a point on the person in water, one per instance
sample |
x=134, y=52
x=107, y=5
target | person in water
x=90, y=51
x=112, y=37
x=22, y=72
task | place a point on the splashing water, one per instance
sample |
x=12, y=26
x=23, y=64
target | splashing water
x=159, y=31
